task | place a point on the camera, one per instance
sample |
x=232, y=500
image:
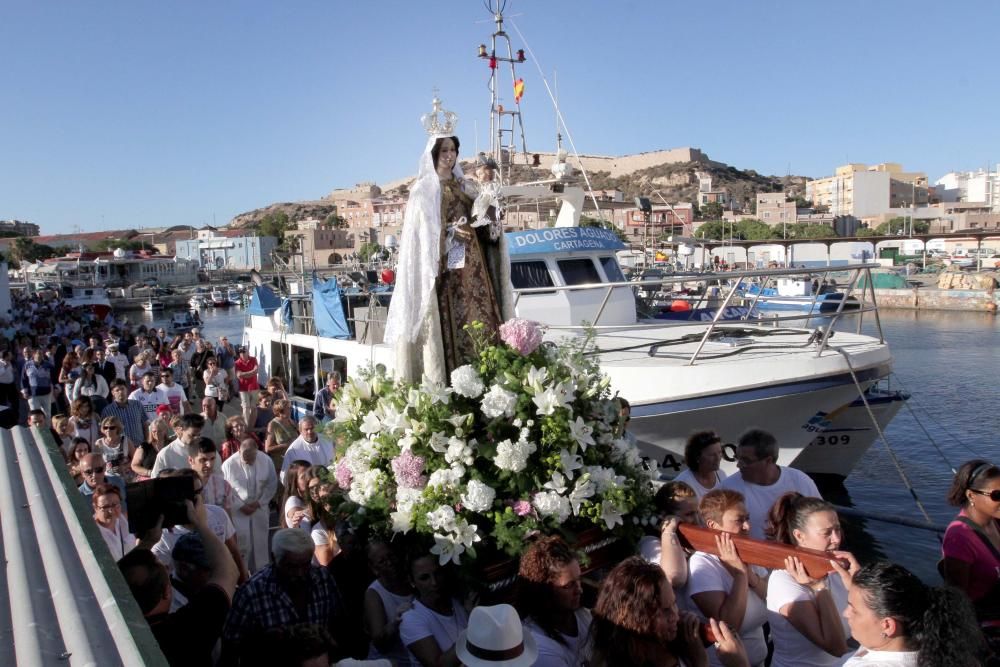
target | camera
x=165, y=496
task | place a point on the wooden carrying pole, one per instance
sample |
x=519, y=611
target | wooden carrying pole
x=759, y=552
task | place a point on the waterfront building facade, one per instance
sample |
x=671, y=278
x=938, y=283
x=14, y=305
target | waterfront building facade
x=218, y=251
x=971, y=187
x=865, y=191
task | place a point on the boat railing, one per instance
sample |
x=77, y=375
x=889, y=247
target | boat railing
x=303, y=323
x=734, y=280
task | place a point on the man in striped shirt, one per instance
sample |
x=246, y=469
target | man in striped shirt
x=128, y=411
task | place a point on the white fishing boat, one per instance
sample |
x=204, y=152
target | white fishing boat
x=151, y=305
x=218, y=298
x=182, y=322
x=234, y=297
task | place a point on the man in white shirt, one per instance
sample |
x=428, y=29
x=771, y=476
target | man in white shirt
x=309, y=446
x=148, y=396
x=176, y=398
x=175, y=455
x=254, y=482
x=215, y=421
x=761, y=480
x=119, y=360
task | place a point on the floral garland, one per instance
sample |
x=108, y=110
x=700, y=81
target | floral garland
x=525, y=439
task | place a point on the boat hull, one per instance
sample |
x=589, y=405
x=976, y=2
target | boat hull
x=786, y=410
x=843, y=436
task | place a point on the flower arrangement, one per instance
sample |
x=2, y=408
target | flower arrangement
x=526, y=438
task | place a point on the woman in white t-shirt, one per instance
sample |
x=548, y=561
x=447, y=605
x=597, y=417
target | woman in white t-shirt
x=900, y=622
x=431, y=627
x=676, y=503
x=805, y=613
x=386, y=600
x=723, y=586
x=703, y=456
x=549, y=599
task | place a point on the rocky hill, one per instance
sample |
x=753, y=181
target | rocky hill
x=294, y=210
x=670, y=173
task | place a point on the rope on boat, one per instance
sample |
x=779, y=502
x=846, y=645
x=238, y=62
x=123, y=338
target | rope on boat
x=885, y=442
x=949, y=432
x=719, y=333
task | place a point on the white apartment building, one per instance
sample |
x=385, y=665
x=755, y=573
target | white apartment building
x=972, y=187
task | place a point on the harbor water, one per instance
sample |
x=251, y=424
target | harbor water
x=949, y=362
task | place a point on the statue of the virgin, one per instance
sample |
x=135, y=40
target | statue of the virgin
x=452, y=270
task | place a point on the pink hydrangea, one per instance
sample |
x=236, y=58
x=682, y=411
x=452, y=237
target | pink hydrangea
x=522, y=507
x=523, y=335
x=343, y=475
x=409, y=470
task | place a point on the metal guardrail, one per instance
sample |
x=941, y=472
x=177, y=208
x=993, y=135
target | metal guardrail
x=735, y=278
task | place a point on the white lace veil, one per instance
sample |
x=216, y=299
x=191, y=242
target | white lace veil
x=419, y=251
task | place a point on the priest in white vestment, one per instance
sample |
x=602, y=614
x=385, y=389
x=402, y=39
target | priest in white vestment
x=254, y=483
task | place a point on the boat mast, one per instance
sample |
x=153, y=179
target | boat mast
x=506, y=123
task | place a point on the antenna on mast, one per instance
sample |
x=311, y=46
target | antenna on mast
x=506, y=123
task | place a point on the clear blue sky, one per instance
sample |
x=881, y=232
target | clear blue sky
x=117, y=114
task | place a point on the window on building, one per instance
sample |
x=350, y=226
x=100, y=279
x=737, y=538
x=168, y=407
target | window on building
x=579, y=271
x=529, y=275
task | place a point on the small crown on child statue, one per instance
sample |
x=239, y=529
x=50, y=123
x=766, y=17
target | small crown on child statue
x=439, y=121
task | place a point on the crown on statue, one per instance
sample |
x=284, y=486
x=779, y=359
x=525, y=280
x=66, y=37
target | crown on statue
x=439, y=121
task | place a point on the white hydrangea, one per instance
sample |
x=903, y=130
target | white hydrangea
x=513, y=456
x=442, y=519
x=458, y=451
x=465, y=381
x=478, y=496
x=360, y=456
x=550, y=503
x=367, y=485
x=498, y=402
x=447, y=476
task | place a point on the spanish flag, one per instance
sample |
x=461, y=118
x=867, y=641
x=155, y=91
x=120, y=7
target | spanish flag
x=518, y=90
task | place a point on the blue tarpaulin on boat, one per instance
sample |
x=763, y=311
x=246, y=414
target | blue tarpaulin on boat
x=328, y=310
x=263, y=301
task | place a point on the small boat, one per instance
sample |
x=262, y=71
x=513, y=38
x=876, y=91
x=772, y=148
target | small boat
x=219, y=299
x=798, y=294
x=234, y=297
x=152, y=305
x=183, y=322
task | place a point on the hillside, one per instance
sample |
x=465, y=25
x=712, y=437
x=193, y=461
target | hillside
x=294, y=210
x=670, y=173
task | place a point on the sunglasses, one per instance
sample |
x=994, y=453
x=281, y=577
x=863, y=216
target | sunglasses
x=993, y=495
x=109, y=428
x=91, y=471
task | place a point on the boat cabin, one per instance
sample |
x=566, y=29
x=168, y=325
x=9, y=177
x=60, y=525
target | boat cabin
x=567, y=257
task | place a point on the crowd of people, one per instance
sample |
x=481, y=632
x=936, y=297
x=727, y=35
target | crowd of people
x=225, y=587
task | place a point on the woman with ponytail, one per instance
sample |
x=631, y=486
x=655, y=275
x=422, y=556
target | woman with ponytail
x=900, y=621
x=805, y=613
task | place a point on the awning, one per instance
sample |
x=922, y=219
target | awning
x=263, y=301
x=66, y=602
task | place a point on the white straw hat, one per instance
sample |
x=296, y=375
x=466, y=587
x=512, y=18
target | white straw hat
x=496, y=638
